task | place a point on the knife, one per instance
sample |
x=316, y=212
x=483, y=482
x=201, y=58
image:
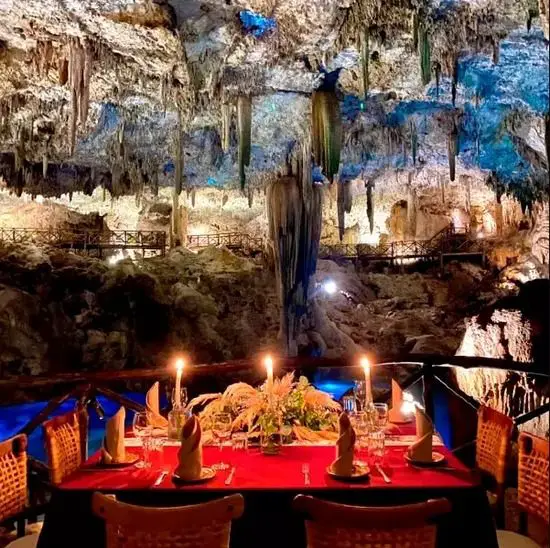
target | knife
x=383, y=474
x=161, y=477
x=229, y=478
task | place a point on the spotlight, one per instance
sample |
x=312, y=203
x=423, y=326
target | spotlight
x=330, y=287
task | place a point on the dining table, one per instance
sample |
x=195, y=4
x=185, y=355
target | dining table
x=269, y=483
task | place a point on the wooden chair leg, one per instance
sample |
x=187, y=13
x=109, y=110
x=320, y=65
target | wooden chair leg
x=21, y=524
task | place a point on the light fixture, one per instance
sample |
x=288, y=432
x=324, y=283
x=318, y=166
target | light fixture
x=330, y=287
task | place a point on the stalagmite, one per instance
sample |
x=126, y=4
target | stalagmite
x=326, y=132
x=370, y=205
x=244, y=124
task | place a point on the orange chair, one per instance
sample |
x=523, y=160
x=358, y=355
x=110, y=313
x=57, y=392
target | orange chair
x=493, y=445
x=13, y=488
x=332, y=525
x=206, y=525
x=533, y=492
x=66, y=443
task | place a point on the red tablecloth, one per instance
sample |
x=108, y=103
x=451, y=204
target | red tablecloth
x=269, y=483
x=281, y=472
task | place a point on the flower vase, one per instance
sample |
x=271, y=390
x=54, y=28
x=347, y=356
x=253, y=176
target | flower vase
x=270, y=432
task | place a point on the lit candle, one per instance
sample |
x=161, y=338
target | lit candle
x=268, y=362
x=179, y=370
x=368, y=388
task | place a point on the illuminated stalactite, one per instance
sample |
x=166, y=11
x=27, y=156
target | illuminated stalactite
x=454, y=79
x=424, y=53
x=365, y=53
x=178, y=213
x=244, y=125
x=370, y=204
x=411, y=207
x=414, y=141
x=326, y=132
x=415, y=21
x=452, y=150
x=226, y=126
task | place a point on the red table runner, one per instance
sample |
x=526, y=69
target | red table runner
x=255, y=471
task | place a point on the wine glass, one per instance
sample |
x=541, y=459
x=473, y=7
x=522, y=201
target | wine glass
x=221, y=429
x=360, y=425
x=360, y=391
x=142, y=431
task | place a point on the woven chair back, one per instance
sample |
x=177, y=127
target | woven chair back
x=206, y=525
x=66, y=441
x=493, y=445
x=13, y=476
x=331, y=525
x=533, y=476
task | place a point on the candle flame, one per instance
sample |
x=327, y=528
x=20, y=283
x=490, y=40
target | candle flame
x=179, y=365
x=268, y=362
x=364, y=362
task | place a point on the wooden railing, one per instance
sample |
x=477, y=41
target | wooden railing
x=231, y=240
x=151, y=241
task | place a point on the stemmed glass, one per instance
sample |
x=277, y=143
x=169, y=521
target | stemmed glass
x=143, y=431
x=222, y=432
x=360, y=391
x=381, y=416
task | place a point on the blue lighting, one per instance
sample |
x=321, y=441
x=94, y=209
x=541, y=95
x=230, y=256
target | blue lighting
x=256, y=24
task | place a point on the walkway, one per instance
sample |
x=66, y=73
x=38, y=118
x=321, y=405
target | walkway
x=236, y=241
x=91, y=242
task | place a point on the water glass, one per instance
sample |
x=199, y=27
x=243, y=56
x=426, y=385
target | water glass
x=360, y=391
x=221, y=428
x=349, y=403
x=239, y=441
x=376, y=441
x=381, y=416
x=156, y=452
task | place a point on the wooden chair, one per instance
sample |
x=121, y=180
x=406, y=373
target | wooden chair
x=332, y=525
x=66, y=443
x=533, y=476
x=13, y=488
x=493, y=446
x=204, y=525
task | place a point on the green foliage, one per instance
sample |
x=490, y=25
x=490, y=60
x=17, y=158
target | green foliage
x=327, y=132
x=244, y=124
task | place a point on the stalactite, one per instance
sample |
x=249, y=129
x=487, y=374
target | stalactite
x=244, y=125
x=437, y=71
x=326, y=132
x=179, y=167
x=225, y=198
x=250, y=196
x=79, y=75
x=425, y=54
x=295, y=231
x=454, y=79
x=44, y=164
x=452, y=150
x=226, y=126
x=415, y=24
x=193, y=197
x=414, y=141
x=365, y=54
x=411, y=207
x=496, y=51
x=370, y=204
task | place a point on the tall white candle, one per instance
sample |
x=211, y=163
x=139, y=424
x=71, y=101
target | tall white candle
x=268, y=362
x=368, y=388
x=179, y=370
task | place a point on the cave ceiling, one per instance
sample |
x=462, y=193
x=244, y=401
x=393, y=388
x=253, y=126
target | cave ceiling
x=139, y=69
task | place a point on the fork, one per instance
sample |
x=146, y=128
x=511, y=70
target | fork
x=305, y=471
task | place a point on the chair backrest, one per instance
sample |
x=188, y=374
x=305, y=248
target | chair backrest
x=13, y=476
x=206, y=525
x=533, y=476
x=494, y=439
x=66, y=441
x=332, y=525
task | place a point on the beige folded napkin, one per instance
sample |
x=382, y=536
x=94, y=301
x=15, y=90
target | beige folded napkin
x=190, y=453
x=113, y=450
x=343, y=464
x=395, y=414
x=421, y=449
x=154, y=418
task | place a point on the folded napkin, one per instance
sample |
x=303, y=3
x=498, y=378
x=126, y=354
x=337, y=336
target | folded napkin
x=190, y=453
x=343, y=464
x=154, y=418
x=421, y=449
x=395, y=414
x=113, y=450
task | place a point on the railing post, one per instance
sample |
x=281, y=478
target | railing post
x=428, y=383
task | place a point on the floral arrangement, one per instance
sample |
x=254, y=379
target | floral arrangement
x=307, y=414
